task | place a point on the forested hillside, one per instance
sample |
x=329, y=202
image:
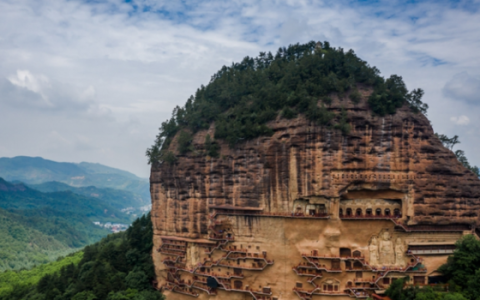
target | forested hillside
x=22, y=246
x=117, y=198
x=118, y=267
x=11, y=279
x=36, y=170
x=36, y=227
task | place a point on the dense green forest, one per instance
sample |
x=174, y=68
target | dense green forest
x=22, y=246
x=116, y=268
x=37, y=227
x=299, y=79
x=10, y=279
x=461, y=273
x=36, y=170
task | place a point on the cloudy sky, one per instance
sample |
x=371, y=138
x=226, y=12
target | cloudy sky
x=92, y=80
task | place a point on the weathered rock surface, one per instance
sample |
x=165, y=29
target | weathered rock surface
x=303, y=168
x=304, y=160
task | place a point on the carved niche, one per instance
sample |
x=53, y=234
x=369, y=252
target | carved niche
x=383, y=252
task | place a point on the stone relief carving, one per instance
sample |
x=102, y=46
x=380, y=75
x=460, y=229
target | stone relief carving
x=193, y=255
x=399, y=253
x=373, y=249
x=383, y=252
x=387, y=256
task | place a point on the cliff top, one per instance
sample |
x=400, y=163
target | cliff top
x=300, y=79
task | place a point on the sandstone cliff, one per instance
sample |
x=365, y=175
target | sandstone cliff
x=350, y=212
x=396, y=154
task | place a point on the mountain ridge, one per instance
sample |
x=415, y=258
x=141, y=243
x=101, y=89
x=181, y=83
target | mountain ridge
x=37, y=170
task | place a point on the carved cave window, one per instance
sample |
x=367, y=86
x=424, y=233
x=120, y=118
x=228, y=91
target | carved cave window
x=387, y=211
x=237, y=284
x=345, y=252
x=299, y=285
x=368, y=212
x=349, y=211
x=336, y=264
x=358, y=212
x=378, y=212
x=348, y=265
x=357, y=265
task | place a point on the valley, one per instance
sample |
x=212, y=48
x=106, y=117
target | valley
x=42, y=220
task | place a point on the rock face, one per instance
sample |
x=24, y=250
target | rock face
x=338, y=209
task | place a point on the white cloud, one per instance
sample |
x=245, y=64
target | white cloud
x=461, y=120
x=29, y=91
x=25, y=79
x=88, y=68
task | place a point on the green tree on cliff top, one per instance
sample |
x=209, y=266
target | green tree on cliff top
x=299, y=79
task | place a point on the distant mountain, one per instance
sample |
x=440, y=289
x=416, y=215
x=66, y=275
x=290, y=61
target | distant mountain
x=37, y=226
x=36, y=170
x=118, y=198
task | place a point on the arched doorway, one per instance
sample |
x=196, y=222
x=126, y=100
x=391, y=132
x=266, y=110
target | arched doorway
x=368, y=212
x=341, y=213
x=378, y=212
x=358, y=212
x=349, y=212
x=357, y=253
x=387, y=212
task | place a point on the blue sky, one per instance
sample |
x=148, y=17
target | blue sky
x=93, y=80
